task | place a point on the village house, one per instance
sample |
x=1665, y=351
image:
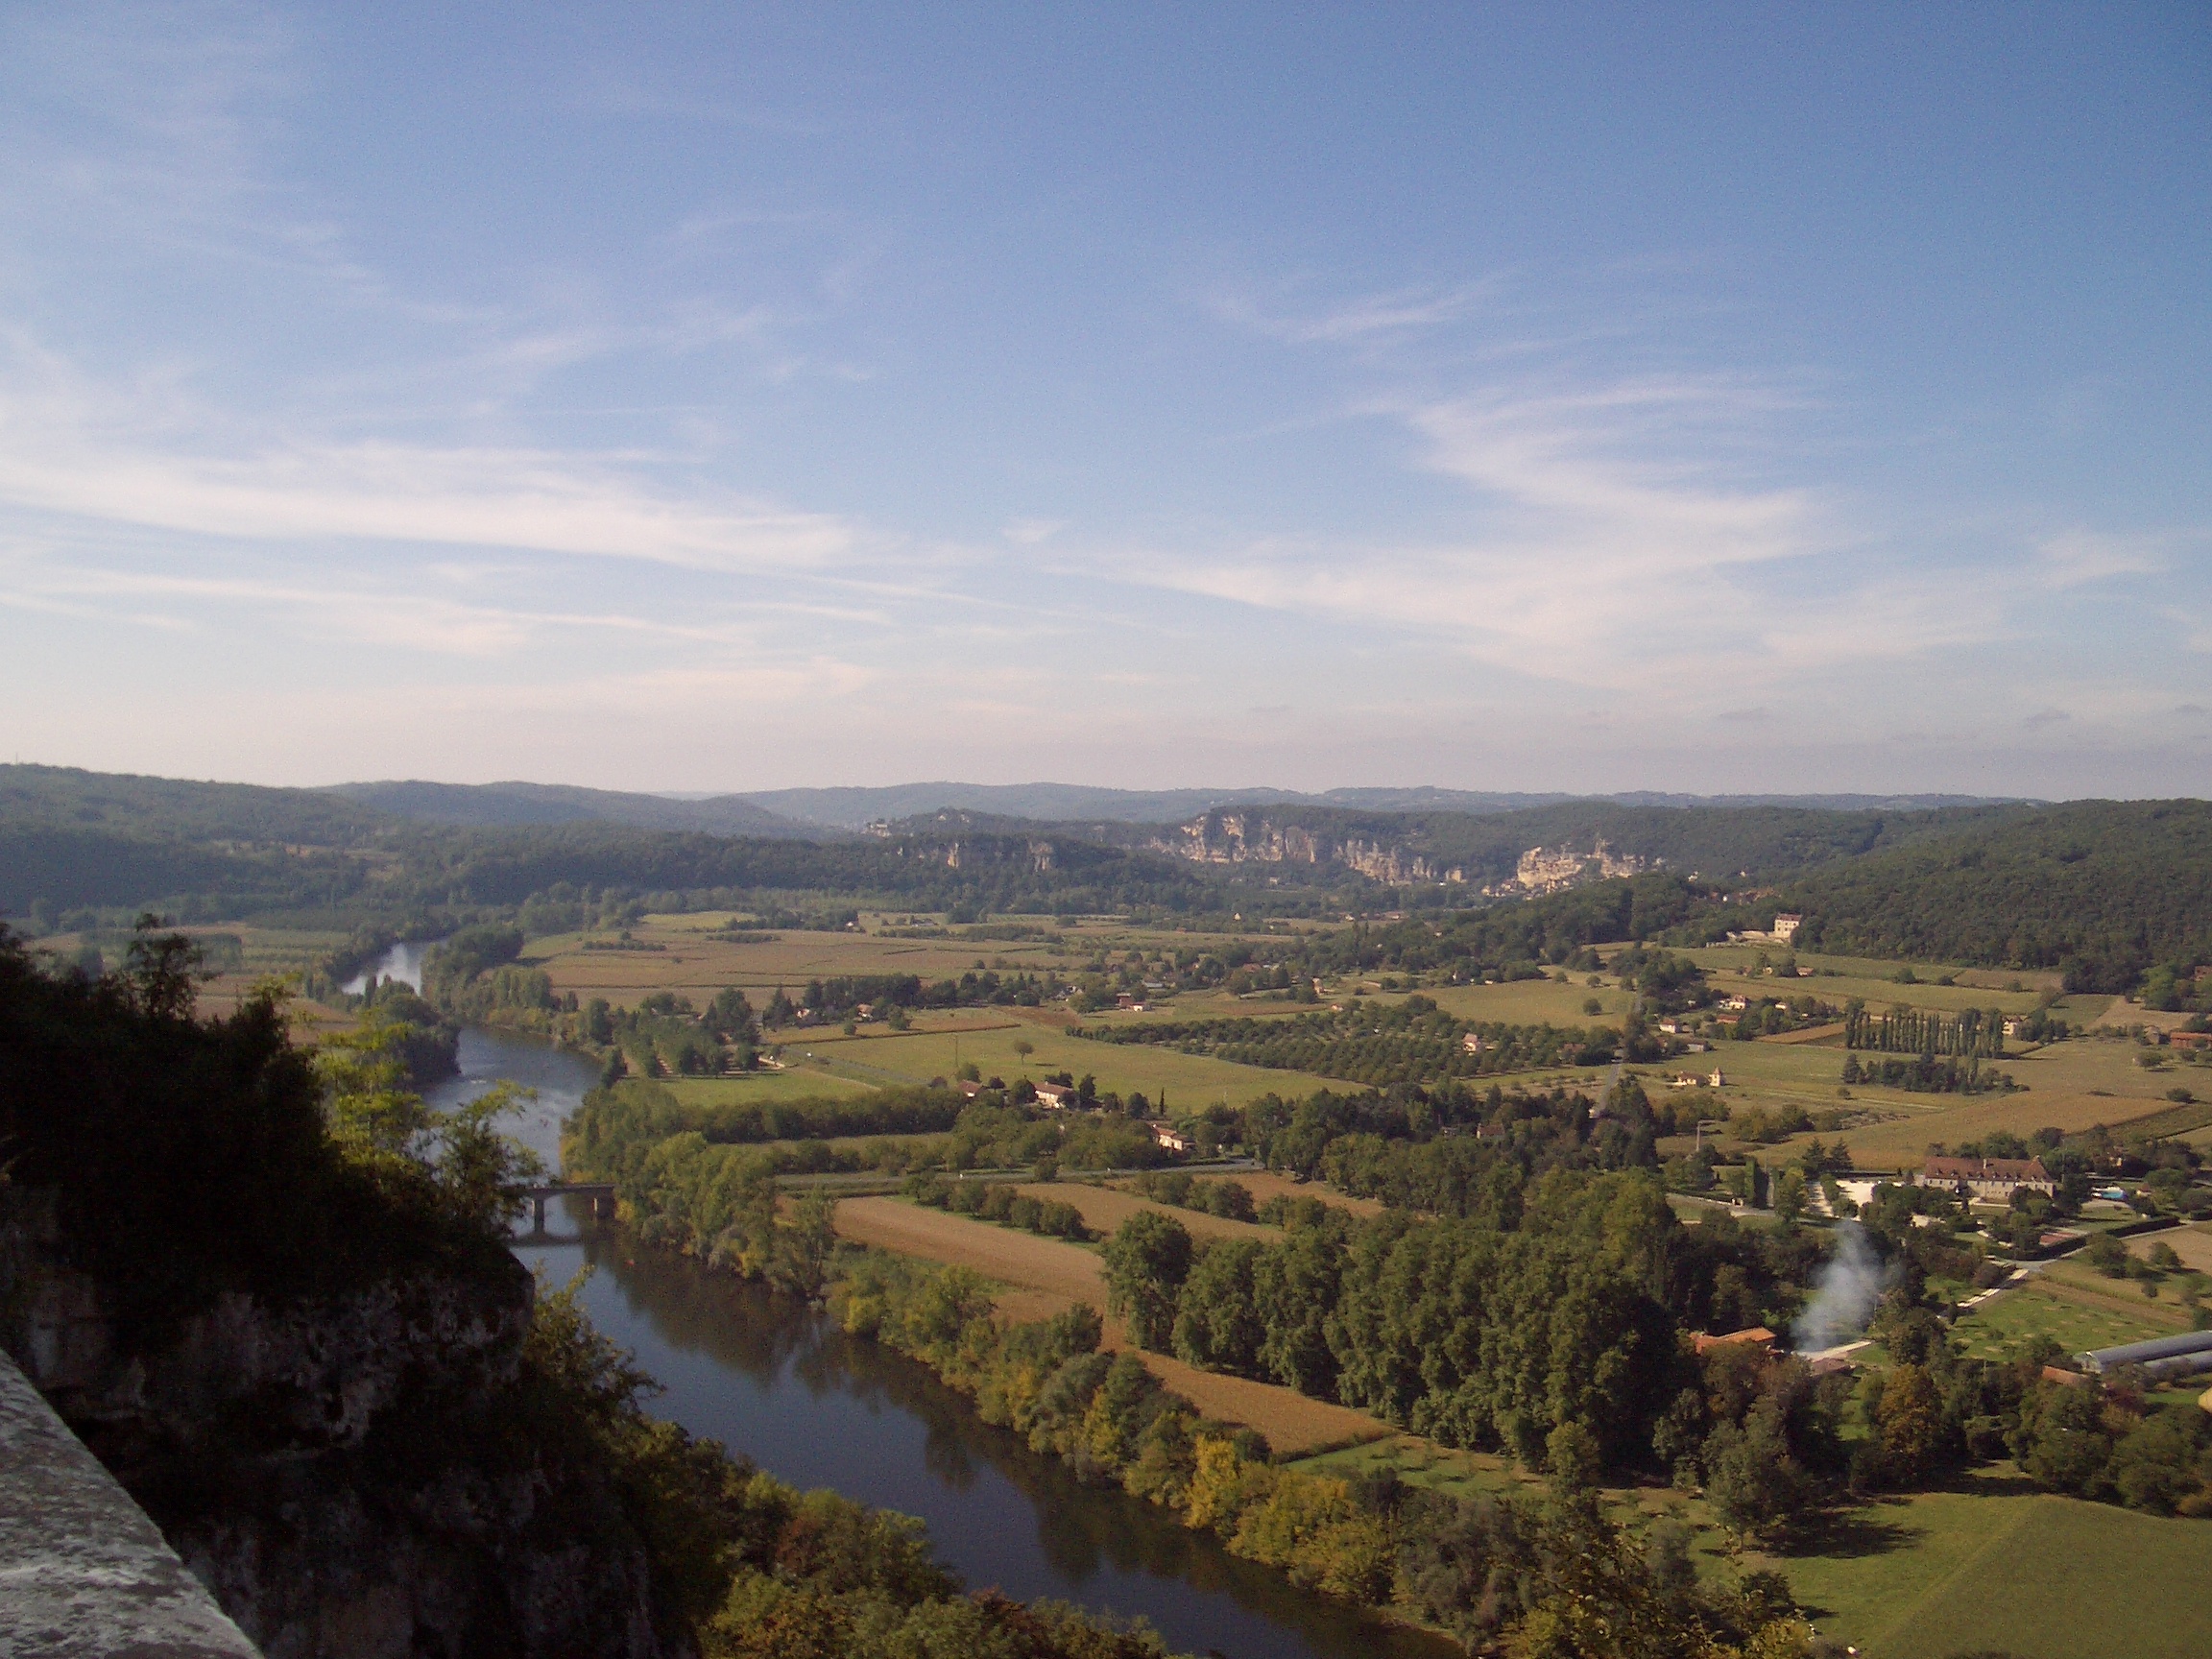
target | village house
x=969, y=1089
x=1471, y=1043
x=1055, y=1097
x=1734, y=1004
x=1993, y=1178
x=1166, y=1135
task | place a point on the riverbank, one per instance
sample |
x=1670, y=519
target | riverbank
x=773, y=1376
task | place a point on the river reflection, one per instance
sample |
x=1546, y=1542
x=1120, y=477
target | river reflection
x=781, y=1384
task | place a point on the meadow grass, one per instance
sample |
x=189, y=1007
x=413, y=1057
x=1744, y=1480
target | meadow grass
x=1993, y=1565
x=2003, y=1326
x=752, y=1088
x=987, y=1039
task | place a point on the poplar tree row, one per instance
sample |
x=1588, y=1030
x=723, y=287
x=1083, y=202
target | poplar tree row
x=1975, y=1032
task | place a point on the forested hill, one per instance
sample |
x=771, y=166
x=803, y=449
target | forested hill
x=2106, y=888
x=73, y=840
x=181, y=809
x=535, y=806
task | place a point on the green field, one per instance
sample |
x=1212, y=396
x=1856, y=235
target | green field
x=1994, y=1564
x=1990, y=1565
x=987, y=1037
x=2005, y=1324
x=798, y=1083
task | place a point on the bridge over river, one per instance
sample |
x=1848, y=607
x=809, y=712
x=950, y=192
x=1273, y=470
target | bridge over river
x=600, y=1194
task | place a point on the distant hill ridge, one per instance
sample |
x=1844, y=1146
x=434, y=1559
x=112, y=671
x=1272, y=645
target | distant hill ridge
x=857, y=808
x=70, y=837
x=526, y=805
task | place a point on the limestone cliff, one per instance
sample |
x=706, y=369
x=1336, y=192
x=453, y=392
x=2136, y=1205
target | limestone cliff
x=1240, y=837
x=343, y=1473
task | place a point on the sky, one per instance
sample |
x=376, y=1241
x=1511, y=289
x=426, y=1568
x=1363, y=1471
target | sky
x=1719, y=399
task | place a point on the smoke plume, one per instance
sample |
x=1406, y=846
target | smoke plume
x=1844, y=1293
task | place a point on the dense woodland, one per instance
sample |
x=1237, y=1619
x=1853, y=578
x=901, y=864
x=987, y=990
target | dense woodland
x=2106, y=890
x=1376, y=1043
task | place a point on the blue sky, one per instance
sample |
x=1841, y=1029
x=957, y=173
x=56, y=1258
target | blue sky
x=722, y=398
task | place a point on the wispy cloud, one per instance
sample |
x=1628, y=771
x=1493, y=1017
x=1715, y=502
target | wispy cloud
x=2079, y=558
x=1606, y=534
x=1360, y=317
x=143, y=455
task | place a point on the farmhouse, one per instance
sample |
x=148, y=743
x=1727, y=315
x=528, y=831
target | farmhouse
x=2189, y=1038
x=1165, y=1134
x=1055, y=1097
x=1733, y=1005
x=1784, y=929
x=1758, y=1333
x=1989, y=1177
x=1471, y=1043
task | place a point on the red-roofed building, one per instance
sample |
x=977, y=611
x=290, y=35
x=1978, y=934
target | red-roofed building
x=1758, y=1333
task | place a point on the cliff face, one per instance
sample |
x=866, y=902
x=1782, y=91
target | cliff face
x=1236, y=837
x=343, y=1474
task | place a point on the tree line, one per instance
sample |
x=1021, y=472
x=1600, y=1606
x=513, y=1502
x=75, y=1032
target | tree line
x=1535, y=1573
x=1972, y=1032
x=1377, y=1044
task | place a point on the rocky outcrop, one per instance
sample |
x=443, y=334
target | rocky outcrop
x=1240, y=837
x=1552, y=869
x=345, y=1475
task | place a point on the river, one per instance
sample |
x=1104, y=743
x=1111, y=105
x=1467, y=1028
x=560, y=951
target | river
x=779, y=1381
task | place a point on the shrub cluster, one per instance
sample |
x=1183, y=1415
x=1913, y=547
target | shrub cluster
x=1231, y=1200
